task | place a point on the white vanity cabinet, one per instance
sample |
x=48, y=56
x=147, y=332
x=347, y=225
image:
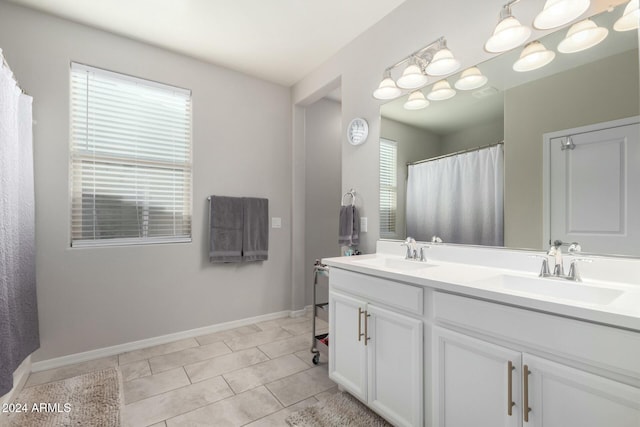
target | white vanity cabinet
x=475, y=382
x=478, y=382
x=376, y=349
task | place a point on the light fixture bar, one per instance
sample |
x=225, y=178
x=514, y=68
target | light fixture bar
x=419, y=53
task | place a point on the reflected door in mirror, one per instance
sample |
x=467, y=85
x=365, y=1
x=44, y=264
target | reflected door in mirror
x=594, y=188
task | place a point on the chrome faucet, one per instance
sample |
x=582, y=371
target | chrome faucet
x=558, y=269
x=412, y=252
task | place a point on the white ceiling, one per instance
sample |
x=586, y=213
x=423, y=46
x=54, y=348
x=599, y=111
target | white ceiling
x=276, y=40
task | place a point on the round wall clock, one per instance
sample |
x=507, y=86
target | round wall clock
x=357, y=131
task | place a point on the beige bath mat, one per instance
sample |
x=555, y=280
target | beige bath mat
x=339, y=410
x=91, y=399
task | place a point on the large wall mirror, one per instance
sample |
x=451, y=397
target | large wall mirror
x=527, y=157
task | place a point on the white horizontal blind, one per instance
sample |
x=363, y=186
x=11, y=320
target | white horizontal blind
x=388, y=187
x=130, y=160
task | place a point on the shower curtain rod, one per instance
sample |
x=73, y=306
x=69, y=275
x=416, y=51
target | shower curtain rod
x=6, y=64
x=468, y=150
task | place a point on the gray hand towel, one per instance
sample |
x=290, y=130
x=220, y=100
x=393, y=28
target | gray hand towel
x=227, y=223
x=349, y=232
x=256, y=229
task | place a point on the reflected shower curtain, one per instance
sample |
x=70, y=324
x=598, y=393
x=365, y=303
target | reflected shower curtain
x=458, y=198
x=19, y=335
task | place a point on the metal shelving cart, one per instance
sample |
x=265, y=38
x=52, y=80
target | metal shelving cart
x=321, y=311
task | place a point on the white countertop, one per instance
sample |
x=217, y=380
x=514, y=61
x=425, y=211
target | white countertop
x=478, y=281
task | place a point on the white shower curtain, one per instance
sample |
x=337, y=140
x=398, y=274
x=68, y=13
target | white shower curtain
x=458, y=198
x=18, y=309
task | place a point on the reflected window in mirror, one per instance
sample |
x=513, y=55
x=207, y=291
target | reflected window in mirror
x=388, y=188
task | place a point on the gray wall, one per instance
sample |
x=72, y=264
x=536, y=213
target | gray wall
x=322, y=186
x=413, y=144
x=92, y=298
x=472, y=137
x=590, y=95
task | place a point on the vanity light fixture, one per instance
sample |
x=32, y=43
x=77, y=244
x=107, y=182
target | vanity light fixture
x=412, y=77
x=582, y=36
x=533, y=56
x=630, y=19
x=434, y=59
x=509, y=32
x=416, y=101
x=387, y=88
x=556, y=13
x=441, y=90
x=471, y=78
x=443, y=62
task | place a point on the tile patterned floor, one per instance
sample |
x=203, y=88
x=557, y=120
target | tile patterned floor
x=255, y=376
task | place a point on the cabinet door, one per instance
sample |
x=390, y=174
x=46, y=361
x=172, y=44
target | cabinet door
x=473, y=385
x=395, y=365
x=347, y=353
x=561, y=396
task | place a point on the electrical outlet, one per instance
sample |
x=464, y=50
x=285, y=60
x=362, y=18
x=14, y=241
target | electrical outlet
x=276, y=222
x=363, y=224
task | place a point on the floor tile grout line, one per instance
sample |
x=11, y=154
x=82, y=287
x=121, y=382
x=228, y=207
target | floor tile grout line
x=230, y=388
x=166, y=391
x=187, y=375
x=198, y=361
x=296, y=373
x=255, y=365
x=164, y=354
x=276, y=340
x=274, y=396
x=268, y=415
x=170, y=391
x=234, y=370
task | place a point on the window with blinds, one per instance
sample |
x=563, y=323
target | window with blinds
x=388, y=187
x=130, y=165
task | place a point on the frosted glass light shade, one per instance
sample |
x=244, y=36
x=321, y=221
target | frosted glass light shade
x=533, y=56
x=416, y=101
x=412, y=78
x=441, y=90
x=582, y=36
x=559, y=12
x=509, y=33
x=630, y=17
x=387, y=89
x=470, y=79
x=443, y=62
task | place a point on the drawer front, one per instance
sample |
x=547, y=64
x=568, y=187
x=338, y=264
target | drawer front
x=374, y=289
x=612, y=349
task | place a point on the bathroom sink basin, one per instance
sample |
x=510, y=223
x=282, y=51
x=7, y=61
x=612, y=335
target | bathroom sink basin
x=583, y=292
x=395, y=264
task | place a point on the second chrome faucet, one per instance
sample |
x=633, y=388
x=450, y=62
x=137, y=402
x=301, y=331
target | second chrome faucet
x=558, y=268
x=413, y=251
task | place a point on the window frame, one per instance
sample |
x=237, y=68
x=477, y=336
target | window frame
x=75, y=156
x=388, y=233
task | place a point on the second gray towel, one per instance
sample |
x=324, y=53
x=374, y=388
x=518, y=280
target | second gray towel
x=349, y=232
x=256, y=229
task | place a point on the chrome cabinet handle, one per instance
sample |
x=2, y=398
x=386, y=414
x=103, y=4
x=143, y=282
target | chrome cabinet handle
x=525, y=399
x=360, y=334
x=510, y=402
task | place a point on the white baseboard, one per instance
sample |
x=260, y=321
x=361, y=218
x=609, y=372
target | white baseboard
x=300, y=313
x=20, y=377
x=163, y=339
